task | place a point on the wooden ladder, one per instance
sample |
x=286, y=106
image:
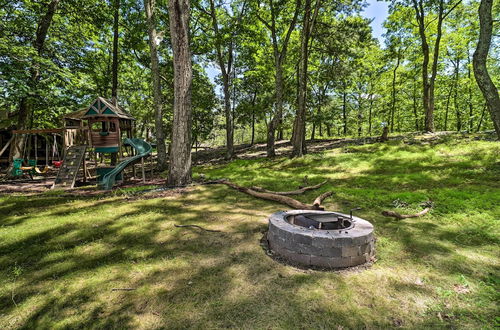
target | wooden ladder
x=69, y=169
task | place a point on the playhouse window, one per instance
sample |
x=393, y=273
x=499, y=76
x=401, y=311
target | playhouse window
x=103, y=126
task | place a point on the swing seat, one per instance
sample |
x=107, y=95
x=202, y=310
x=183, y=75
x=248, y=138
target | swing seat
x=57, y=163
x=45, y=170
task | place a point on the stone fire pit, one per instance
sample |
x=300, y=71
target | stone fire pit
x=321, y=238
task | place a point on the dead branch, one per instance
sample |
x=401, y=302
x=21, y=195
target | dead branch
x=272, y=197
x=123, y=289
x=406, y=216
x=196, y=226
x=317, y=202
x=293, y=192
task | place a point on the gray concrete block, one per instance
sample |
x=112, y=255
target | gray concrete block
x=305, y=249
x=358, y=260
x=351, y=251
x=322, y=243
x=303, y=238
x=331, y=252
x=342, y=241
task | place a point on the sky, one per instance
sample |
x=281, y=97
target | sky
x=378, y=11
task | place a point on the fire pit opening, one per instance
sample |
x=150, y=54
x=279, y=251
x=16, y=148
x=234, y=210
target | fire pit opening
x=320, y=238
x=327, y=221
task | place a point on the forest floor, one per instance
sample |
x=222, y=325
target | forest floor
x=117, y=260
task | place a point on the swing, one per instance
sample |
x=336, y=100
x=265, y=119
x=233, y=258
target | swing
x=17, y=166
x=55, y=151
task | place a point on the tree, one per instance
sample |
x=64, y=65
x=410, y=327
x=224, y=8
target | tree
x=180, y=154
x=224, y=28
x=428, y=83
x=25, y=106
x=483, y=78
x=299, y=126
x=280, y=48
x=154, y=41
x=116, y=18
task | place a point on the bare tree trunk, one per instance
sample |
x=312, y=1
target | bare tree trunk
x=490, y=92
x=481, y=118
x=344, y=110
x=447, y=109
x=24, y=118
x=150, y=5
x=471, y=106
x=370, y=115
x=180, y=155
x=254, y=97
x=116, y=16
x=299, y=126
x=393, y=94
x=419, y=12
x=455, y=96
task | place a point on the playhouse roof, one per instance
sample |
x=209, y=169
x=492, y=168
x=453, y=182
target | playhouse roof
x=102, y=107
x=76, y=115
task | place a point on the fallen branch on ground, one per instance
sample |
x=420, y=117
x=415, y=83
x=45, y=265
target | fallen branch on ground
x=317, y=202
x=199, y=227
x=293, y=192
x=428, y=207
x=279, y=198
x=123, y=289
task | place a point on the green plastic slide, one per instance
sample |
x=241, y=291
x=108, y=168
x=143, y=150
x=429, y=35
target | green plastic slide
x=142, y=148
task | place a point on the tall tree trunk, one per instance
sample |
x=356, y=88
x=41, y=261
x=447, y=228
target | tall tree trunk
x=279, y=60
x=253, y=128
x=490, y=92
x=469, y=87
x=253, y=118
x=419, y=12
x=226, y=80
x=116, y=16
x=180, y=155
x=415, y=107
x=481, y=118
x=448, y=98
x=344, y=110
x=429, y=83
x=150, y=6
x=393, y=94
x=299, y=125
x=24, y=118
x=455, y=96
x=370, y=115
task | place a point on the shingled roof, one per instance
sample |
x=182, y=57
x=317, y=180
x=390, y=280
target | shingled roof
x=102, y=107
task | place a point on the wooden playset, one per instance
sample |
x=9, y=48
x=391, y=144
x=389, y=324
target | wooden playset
x=104, y=128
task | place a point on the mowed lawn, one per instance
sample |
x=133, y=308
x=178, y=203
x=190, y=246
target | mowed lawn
x=62, y=259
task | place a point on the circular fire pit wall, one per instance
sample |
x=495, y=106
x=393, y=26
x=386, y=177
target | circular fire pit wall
x=320, y=238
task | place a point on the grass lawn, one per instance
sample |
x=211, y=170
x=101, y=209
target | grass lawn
x=61, y=258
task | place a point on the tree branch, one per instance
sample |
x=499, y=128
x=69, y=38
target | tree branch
x=293, y=192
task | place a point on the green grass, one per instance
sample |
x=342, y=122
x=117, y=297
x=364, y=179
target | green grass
x=61, y=257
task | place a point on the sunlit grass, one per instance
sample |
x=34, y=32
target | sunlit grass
x=61, y=258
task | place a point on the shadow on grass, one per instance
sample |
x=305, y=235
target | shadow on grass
x=61, y=259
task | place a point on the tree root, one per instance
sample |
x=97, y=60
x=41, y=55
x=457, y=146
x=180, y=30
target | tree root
x=196, y=226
